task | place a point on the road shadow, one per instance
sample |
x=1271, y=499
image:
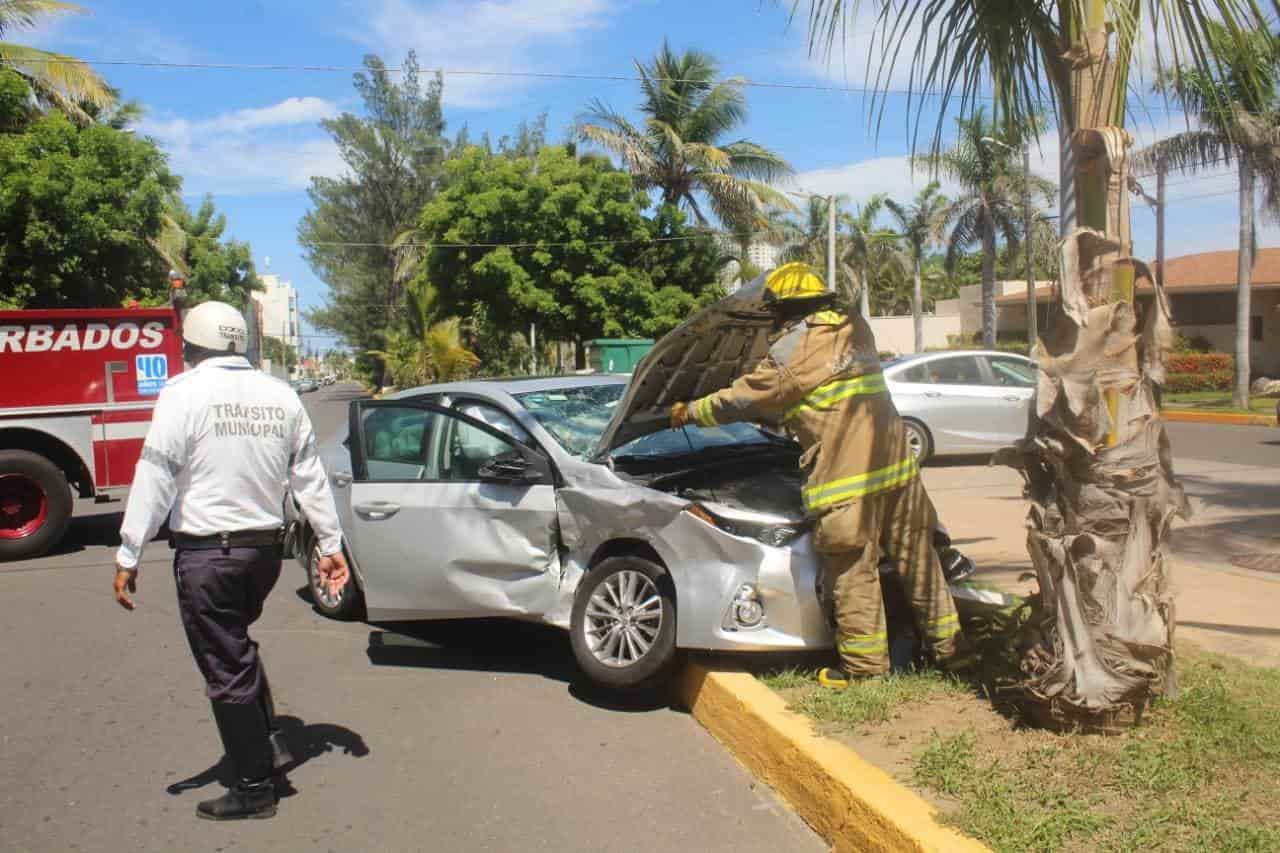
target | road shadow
x=306, y=741
x=961, y=461
x=1243, y=630
x=1215, y=492
x=500, y=646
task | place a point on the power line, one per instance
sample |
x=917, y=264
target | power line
x=525, y=75
x=536, y=244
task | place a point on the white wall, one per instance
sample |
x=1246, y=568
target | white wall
x=897, y=334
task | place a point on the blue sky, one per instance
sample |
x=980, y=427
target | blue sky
x=251, y=138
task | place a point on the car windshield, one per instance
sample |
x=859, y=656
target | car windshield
x=576, y=417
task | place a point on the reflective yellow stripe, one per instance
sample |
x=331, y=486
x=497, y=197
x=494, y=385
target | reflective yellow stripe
x=860, y=643
x=840, y=389
x=702, y=413
x=943, y=628
x=883, y=479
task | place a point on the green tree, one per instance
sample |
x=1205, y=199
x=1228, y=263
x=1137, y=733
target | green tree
x=192, y=243
x=279, y=352
x=560, y=243
x=1093, y=647
x=921, y=226
x=992, y=183
x=1239, y=122
x=680, y=151
x=394, y=156
x=78, y=209
x=867, y=242
x=55, y=79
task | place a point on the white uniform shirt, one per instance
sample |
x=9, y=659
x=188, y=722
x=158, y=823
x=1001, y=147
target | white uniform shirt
x=226, y=442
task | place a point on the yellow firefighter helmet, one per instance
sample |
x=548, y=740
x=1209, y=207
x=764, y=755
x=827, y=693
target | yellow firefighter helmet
x=793, y=282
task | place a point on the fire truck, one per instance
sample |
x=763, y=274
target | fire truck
x=77, y=388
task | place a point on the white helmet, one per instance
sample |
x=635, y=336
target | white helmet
x=217, y=327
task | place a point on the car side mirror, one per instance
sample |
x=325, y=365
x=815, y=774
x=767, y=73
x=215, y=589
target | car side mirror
x=511, y=468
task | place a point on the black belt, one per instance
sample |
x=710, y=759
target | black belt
x=226, y=541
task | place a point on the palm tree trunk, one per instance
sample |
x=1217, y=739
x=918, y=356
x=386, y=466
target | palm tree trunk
x=988, y=281
x=1244, y=275
x=864, y=298
x=1098, y=644
x=917, y=306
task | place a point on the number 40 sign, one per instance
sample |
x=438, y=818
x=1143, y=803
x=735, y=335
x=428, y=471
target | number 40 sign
x=152, y=371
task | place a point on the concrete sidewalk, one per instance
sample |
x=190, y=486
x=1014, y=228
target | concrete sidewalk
x=1225, y=559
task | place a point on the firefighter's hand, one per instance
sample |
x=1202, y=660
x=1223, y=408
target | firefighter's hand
x=334, y=573
x=125, y=583
x=680, y=415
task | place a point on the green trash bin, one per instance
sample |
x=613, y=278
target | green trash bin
x=617, y=355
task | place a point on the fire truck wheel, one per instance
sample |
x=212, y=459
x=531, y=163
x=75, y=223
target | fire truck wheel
x=35, y=505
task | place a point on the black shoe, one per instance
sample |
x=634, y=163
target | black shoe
x=246, y=801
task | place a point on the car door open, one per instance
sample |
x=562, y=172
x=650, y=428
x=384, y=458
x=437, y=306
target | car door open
x=450, y=517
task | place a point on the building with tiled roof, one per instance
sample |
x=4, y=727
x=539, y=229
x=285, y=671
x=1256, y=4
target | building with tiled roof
x=1202, y=299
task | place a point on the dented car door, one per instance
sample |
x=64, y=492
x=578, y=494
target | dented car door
x=450, y=517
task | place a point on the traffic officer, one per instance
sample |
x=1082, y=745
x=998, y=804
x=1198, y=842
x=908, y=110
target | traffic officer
x=226, y=442
x=821, y=381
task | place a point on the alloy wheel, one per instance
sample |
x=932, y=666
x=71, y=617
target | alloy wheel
x=623, y=618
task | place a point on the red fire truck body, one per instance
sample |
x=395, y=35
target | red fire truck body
x=77, y=388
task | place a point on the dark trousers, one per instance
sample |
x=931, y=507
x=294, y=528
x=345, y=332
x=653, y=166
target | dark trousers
x=220, y=594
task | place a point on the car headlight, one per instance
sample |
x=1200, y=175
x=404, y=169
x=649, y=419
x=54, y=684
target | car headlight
x=769, y=533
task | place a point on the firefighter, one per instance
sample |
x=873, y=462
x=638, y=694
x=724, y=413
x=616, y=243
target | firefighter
x=224, y=444
x=821, y=381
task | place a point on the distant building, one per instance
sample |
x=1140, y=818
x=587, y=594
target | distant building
x=279, y=315
x=1202, y=298
x=764, y=255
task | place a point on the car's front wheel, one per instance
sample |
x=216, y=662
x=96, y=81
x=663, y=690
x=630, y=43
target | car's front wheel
x=346, y=604
x=623, y=626
x=918, y=440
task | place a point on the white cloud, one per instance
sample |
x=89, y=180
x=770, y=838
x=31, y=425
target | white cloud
x=483, y=36
x=859, y=181
x=276, y=148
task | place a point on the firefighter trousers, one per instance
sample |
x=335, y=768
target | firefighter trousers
x=851, y=540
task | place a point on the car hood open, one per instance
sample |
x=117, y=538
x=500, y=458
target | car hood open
x=704, y=354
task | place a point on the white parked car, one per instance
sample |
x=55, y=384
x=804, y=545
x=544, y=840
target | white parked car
x=961, y=402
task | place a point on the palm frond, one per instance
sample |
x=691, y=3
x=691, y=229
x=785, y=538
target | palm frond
x=960, y=52
x=57, y=77
x=27, y=14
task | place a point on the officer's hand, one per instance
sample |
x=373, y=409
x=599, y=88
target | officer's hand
x=680, y=415
x=334, y=572
x=126, y=582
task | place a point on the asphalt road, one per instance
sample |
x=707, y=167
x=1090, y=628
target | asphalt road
x=1238, y=445
x=468, y=736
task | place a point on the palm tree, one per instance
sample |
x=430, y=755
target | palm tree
x=808, y=243
x=993, y=187
x=56, y=80
x=679, y=150
x=1099, y=646
x=865, y=243
x=922, y=225
x=1240, y=123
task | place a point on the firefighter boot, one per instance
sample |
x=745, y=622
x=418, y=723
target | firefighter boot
x=244, y=734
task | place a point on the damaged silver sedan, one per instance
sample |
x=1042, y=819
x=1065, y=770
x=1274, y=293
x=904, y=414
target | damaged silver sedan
x=569, y=501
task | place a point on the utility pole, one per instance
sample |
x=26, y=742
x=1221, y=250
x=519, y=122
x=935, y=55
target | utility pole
x=831, y=243
x=1160, y=174
x=1033, y=320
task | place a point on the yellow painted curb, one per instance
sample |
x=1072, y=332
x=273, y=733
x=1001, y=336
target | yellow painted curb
x=1185, y=416
x=852, y=804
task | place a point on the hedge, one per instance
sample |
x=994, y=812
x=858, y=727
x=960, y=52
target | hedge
x=1201, y=362
x=1212, y=380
